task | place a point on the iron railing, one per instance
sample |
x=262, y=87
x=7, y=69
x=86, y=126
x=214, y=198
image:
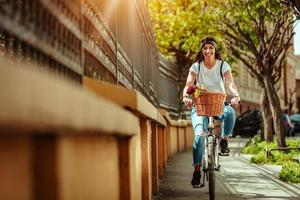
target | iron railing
x=73, y=39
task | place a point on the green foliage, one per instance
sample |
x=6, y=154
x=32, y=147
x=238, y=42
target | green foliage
x=277, y=157
x=258, y=147
x=293, y=143
x=258, y=33
x=247, y=27
x=179, y=26
x=259, y=158
x=290, y=172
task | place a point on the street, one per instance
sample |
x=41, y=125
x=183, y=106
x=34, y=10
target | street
x=237, y=179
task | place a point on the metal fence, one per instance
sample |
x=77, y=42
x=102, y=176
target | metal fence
x=45, y=32
x=76, y=38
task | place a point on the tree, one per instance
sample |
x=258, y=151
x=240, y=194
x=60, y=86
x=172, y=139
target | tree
x=290, y=101
x=295, y=4
x=179, y=26
x=259, y=33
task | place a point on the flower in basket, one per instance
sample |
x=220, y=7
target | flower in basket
x=191, y=90
x=199, y=90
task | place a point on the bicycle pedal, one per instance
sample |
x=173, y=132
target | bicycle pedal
x=223, y=154
x=217, y=168
x=197, y=186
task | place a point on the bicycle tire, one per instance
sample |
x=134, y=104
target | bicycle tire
x=217, y=156
x=211, y=167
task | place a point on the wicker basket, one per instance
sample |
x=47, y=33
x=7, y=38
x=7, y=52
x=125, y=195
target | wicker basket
x=209, y=104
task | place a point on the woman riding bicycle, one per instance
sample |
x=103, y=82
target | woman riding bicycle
x=212, y=72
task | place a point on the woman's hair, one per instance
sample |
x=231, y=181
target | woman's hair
x=207, y=40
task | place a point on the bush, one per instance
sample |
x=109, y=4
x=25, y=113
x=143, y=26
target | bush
x=280, y=158
x=251, y=149
x=259, y=158
x=258, y=147
x=293, y=143
x=290, y=172
x=251, y=146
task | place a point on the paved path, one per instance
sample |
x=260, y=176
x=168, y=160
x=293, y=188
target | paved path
x=237, y=179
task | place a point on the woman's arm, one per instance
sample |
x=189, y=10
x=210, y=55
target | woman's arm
x=190, y=81
x=232, y=87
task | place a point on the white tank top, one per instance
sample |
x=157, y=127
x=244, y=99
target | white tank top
x=211, y=78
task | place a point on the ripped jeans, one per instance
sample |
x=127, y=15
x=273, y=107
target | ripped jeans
x=200, y=125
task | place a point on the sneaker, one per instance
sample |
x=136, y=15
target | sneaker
x=224, y=146
x=196, y=179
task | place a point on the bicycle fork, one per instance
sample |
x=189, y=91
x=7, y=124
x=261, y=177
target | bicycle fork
x=210, y=138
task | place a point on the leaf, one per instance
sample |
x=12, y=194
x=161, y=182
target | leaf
x=197, y=93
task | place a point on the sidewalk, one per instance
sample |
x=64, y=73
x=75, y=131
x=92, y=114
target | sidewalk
x=274, y=169
x=176, y=183
x=237, y=179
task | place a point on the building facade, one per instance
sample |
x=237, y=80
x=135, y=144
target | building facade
x=251, y=92
x=295, y=61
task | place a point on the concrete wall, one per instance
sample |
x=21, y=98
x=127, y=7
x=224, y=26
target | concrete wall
x=65, y=141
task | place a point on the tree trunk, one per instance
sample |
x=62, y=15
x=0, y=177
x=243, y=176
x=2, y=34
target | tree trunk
x=276, y=111
x=268, y=127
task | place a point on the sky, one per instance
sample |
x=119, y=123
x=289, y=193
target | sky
x=297, y=38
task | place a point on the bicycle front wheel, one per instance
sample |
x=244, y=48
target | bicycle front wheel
x=211, y=167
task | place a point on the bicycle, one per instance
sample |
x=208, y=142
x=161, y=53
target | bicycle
x=210, y=161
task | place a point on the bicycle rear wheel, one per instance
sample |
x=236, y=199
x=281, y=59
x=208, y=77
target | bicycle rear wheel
x=211, y=166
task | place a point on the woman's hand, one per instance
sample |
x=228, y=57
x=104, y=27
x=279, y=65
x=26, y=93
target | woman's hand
x=187, y=101
x=235, y=101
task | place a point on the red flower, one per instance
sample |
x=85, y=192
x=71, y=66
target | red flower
x=191, y=90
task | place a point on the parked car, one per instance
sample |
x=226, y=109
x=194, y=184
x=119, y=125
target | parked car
x=295, y=119
x=250, y=123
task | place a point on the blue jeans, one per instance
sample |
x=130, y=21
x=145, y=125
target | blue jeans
x=200, y=125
